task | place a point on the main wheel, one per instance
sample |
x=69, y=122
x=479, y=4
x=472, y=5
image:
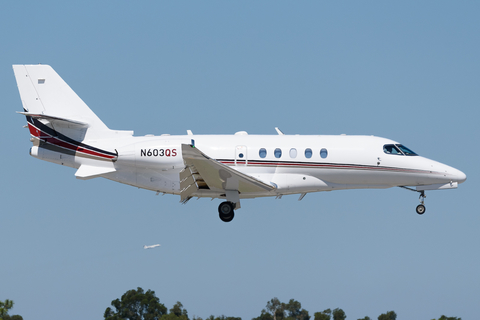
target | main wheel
x=225, y=211
x=421, y=209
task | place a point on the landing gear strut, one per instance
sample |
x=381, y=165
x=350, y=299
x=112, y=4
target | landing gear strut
x=421, y=207
x=225, y=211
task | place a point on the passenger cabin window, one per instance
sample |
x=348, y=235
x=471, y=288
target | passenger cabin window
x=308, y=153
x=323, y=153
x=293, y=153
x=398, y=149
x=262, y=153
x=278, y=153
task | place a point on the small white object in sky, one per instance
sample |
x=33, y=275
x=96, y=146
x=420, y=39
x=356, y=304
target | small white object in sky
x=151, y=247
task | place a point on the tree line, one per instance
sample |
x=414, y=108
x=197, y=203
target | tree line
x=141, y=305
x=5, y=306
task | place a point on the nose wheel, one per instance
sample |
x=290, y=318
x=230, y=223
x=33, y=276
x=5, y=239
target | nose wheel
x=421, y=209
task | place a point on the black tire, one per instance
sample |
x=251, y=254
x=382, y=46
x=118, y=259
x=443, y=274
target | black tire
x=225, y=211
x=421, y=209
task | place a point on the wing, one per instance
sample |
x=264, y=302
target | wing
x=203, y=172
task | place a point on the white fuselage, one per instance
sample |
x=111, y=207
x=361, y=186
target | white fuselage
x=66, y=131
x=346, y=162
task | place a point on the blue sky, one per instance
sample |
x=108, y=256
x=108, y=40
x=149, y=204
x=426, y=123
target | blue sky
x=407, y=71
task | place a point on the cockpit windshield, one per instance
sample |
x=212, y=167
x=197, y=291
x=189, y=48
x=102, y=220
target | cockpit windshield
x=406, y=151
x=398, y=149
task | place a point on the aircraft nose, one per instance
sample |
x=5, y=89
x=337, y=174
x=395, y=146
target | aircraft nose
x=455, y=175
x=459, y=176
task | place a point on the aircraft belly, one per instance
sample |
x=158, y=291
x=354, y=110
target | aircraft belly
x=158, y=180
x=388, y=177
x=165, y=182
x=206, y=193
x=352, y=176
x=342, y=177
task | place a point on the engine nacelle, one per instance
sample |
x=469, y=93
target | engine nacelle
x=52, y=156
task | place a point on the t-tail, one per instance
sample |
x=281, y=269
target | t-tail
x=63, y=128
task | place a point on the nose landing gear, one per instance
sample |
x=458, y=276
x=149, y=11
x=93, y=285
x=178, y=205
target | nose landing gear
x=421, y=207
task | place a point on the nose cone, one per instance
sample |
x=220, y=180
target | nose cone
x=442, y=173
x=454, y=175
x=458, y=176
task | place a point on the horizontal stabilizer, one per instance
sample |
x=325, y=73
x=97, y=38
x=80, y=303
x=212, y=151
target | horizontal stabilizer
x=52, y=118
x=86, y=172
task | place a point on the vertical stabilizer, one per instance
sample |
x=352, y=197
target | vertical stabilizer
x=44, y=93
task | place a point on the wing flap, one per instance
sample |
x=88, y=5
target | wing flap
x=220, y=177
x=187, y=185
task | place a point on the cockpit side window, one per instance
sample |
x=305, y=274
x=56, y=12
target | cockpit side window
x=391, y=149
x=406, y=151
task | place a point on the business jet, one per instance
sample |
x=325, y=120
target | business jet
x=64, y=130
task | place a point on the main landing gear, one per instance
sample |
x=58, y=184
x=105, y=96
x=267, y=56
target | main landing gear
x=421, y=207
x=225, y=211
